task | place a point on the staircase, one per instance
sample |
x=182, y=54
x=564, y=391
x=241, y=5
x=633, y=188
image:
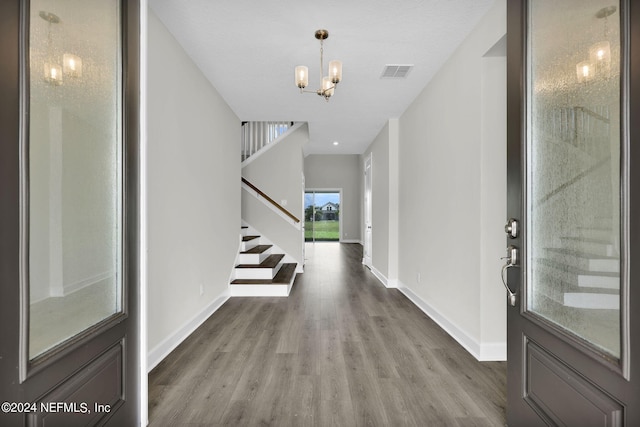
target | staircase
x=584, y=272
x=577, y=285
x=580, y=268
x=259, y=273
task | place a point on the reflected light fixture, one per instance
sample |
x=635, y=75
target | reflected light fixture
x=600, y=53
x=599, y=62
x=52, y=70
x=584, y=70
x=71, y=64
x=329, y=82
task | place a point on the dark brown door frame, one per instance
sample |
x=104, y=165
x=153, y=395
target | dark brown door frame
x=10, y=124
x=13, y=125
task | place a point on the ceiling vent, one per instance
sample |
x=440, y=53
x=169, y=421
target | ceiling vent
x=396, y=71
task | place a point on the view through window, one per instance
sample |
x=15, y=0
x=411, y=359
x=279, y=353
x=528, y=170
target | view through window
x=322, y=216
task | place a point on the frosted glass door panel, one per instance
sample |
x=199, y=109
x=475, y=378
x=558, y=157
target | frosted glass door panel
x=573, y=162
x=75, y=168
x=573, y=262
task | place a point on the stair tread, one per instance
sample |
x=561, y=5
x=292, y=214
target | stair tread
x=596, y=228
x=248, y=238
x=581, y=254
x=244, y=227
x=284, y=276
x=269, y=262
x=571, y=269
x=258, y=249
x=587, y=239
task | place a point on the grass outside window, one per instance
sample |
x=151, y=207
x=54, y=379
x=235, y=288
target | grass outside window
x=322, y=230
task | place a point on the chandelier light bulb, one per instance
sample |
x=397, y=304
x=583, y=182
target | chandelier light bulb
x=72, y=65
x=335, y=71
x=600, y=56
x=328, y=87
x=584, y=71
x=53, y=74
x=302, y=76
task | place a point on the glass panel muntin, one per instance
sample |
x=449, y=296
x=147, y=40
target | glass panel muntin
x=75, y=172
x=573, y=265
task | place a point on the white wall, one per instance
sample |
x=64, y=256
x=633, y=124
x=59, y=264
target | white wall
x=384, y=171
x=339, y=171
x=277, y=172
x=493, y=187
x=452, y=194
x=193, y=193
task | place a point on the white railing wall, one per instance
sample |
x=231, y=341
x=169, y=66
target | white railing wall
x=256, y=135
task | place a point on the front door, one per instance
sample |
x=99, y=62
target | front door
x=69, y=318
x=573, y=259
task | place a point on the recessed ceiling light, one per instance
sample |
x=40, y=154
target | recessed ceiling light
x=335, y=143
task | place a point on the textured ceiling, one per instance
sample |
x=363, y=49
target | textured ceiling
x=248, y=49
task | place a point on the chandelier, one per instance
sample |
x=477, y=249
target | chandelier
x=327, y=83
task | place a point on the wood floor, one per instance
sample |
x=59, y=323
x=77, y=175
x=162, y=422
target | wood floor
x=341, y=350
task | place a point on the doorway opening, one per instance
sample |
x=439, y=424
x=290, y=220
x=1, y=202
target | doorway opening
x=322, y=215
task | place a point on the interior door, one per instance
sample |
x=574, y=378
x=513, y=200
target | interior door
x=69, y=318
x=368, y=208
x=573, y=263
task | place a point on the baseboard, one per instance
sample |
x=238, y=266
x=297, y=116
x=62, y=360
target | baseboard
x=378, y=275
x=388, y=283
x=351, y=241
x=493, y=352
x=482, y=352
x=162, y=350
x=81, y=284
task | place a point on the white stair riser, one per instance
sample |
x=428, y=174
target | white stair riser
x=253, y=258
x=595, y=233
x=280, y=290
x=602, y=222
x=586, y=263
x=603, y=282
x=257, y=273
x=595, y=248
x=551, y=274
x=591, y=300
x=245, y=246
x=608, y=265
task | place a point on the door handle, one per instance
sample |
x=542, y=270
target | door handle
x=512, y=260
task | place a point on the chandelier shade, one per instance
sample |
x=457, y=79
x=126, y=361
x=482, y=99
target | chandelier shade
x=302, y=76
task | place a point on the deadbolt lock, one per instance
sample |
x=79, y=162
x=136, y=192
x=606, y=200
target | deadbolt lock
x=512, y=228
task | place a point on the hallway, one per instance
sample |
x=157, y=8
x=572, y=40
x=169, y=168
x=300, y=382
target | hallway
x=340, y=351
